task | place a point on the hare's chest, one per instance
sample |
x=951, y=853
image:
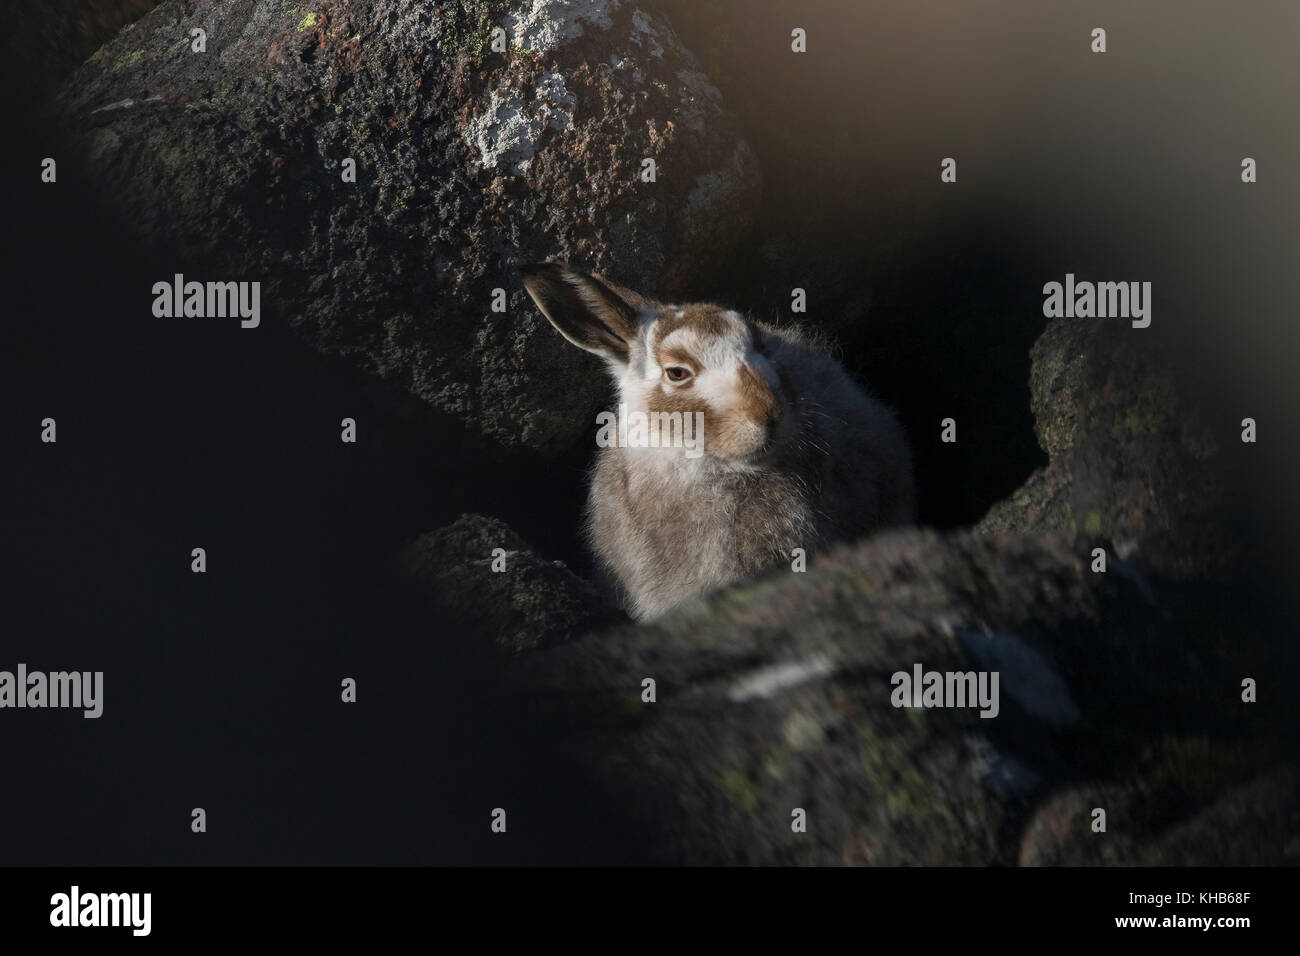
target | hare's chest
x=720, y=528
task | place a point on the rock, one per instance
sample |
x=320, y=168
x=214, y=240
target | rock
x=469, y=162
x=532, y=604
x=1061, y=831
x=774, y=696
x=1254, y=825
x=1134, y=467
x=1250, y=825
x=1118, y=690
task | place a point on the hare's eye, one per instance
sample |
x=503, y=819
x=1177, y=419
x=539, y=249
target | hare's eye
x=677, y=373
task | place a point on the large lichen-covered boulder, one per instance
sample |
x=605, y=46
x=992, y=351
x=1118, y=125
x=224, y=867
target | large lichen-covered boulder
x=1136, y=464
x=474, y=151
x=775, y=696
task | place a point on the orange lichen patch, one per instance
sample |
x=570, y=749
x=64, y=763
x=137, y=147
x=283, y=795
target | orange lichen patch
x=660, y=139
x=277, y=165
x=327, y=34
x=348, y=53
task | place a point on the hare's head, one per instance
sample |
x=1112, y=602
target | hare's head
x=700, y=360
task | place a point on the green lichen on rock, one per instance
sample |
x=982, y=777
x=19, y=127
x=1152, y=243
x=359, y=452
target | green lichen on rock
x=782, y=699
x=1151, y=408
x=468, y=29
x=1134, y=460
x=776, y=695
x=739, y=791
x=911, y=803
x=127, y=60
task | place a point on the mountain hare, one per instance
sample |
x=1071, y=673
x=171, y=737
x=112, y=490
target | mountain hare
x=735, y=443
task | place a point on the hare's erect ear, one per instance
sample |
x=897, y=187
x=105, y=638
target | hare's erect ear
x=592, y=314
